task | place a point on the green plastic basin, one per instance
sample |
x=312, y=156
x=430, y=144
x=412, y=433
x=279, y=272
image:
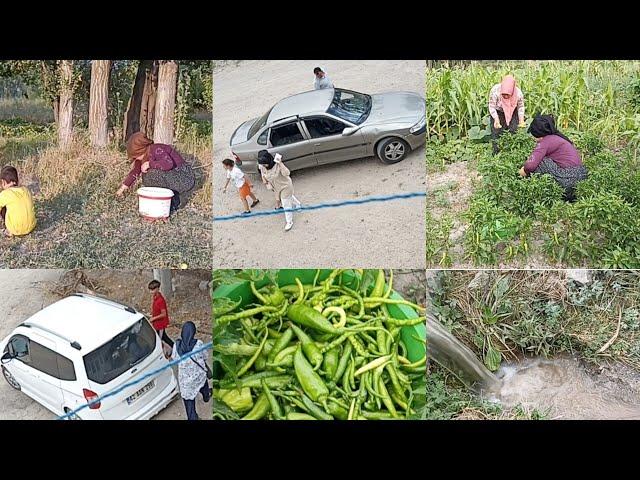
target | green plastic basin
x=413, y=337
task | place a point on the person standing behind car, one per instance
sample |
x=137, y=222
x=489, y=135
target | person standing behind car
x=322, y=80
x=506, y=107
x=192, y=372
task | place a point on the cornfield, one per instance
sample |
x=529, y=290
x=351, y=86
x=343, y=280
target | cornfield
x=583, y=95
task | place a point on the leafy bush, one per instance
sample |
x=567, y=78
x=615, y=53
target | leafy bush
x=601, y=229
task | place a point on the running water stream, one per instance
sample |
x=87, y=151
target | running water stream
x=562, y=387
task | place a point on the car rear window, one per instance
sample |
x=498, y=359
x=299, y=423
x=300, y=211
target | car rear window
x=120, y=353
x=351, y=106
x=258, y=124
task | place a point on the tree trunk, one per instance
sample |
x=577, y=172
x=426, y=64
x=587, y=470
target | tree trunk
x=166, y=102
x=65, y=114
x=56, y=109
x=141, y=109
x=98, y=99
x=163, y=275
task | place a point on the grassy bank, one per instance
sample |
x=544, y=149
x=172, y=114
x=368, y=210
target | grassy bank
x=505, y=315
x=80, y=221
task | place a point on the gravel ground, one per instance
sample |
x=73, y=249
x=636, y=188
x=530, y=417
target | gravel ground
x=389, y=235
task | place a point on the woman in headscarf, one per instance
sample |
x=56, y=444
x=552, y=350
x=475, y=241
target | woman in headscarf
x=192, y=372
x=160, y=166
x=506, y=107
x=277, y=175
x=554, y=155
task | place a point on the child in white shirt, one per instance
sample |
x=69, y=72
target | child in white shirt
x=241, y=183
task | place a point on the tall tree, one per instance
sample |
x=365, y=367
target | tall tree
x=65, y=112
x=98, y=100
x=164, y=127
x=141, y=109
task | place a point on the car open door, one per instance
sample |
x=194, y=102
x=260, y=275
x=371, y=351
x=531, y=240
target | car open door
x=289, y=140
x=333, y=140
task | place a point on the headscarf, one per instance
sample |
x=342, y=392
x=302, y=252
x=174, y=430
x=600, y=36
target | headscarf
x=266, y=159
x=543, y=125
x=187, y=339
x=137, y=145
x=508, y=86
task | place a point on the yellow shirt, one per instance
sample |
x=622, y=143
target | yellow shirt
x=20, y=218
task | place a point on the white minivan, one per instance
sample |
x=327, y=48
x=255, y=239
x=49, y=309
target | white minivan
x=82, y=347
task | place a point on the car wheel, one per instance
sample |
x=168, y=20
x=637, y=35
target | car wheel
x=392, y=150
x=10, y=379
x=72, y=417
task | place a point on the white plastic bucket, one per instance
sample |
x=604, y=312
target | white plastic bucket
x=154, y=202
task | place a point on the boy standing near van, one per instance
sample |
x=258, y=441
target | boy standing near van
x=16, y=204
x=159, y=313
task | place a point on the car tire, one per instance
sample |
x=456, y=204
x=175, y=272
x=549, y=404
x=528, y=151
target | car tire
x=10, y=379
x=392, y=150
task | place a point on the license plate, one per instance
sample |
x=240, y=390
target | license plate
x=149, y=386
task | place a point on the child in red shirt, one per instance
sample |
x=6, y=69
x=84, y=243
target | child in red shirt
x=159, y=313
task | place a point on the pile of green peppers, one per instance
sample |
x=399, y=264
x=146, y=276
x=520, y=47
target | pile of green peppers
x=320, y=351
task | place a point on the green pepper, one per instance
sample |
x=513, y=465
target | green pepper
x=273, y=403
x=337, y=411
x=260, y=409
x=344, y=360
x=280, y=344
x=309, y=380
x=244, y=314
x=378, y=289
x=308, y=317
x=255, y=356
x=314, y=410
x=330, y=363
x=275, y=297
x=236, y=400
x=274, y=380
x=309, y=347
x=299, y=416
x=377, y=415
x=236, y=349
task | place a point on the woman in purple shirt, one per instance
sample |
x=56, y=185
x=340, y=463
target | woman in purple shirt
x=554, y=155
x=159, y=165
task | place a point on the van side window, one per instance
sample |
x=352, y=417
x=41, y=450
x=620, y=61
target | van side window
x=51, y=363
x=19, y=348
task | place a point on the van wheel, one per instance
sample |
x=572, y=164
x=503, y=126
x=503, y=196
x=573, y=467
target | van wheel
x=72, y=417
x=10, y=380
x=392, y=150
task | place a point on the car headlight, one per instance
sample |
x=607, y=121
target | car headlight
x=419, y=126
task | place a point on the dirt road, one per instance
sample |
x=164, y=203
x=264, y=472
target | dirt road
x=389, y=234
x=23, y=293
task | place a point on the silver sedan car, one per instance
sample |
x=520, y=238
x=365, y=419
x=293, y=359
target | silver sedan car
x=334, y=125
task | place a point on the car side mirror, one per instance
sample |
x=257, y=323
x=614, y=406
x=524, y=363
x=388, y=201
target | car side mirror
x=7, y=357
x=349, y=131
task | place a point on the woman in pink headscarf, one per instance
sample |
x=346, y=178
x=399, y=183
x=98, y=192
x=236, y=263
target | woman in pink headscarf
x=506, y=107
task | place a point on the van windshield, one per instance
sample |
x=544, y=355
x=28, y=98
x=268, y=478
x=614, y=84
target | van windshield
x=120, y=353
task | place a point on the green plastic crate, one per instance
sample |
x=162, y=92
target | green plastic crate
x=412, y=337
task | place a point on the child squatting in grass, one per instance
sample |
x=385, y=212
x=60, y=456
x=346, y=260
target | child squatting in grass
x=241, y=183
x=16, y=204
